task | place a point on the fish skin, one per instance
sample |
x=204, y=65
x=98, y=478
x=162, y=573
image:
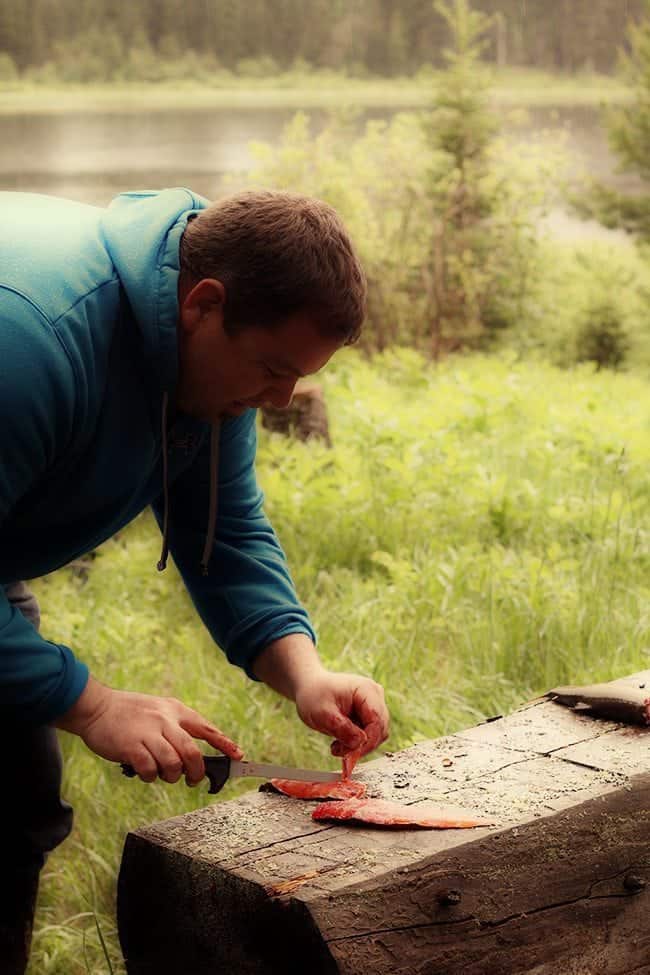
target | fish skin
x=319, y=790
x=380, y=812
x=630, y=705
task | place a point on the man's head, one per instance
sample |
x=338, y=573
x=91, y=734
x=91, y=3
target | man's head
x=270, y=288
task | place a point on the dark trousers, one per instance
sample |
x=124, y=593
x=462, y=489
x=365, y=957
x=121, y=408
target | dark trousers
x=33, y=817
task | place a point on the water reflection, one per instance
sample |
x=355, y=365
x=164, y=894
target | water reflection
x=92, y=156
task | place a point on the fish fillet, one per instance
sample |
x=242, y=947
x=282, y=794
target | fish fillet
x=349, y=761
x=319, y=790
x=380, y=812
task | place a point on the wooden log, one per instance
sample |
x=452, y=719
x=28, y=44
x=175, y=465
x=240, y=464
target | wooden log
x=560, y=886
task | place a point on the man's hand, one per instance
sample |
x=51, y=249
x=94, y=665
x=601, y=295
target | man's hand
x=153, y=734
x=348, y=707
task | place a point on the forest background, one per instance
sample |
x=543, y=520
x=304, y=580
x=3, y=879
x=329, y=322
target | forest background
x=102, y=40
x=486, y=495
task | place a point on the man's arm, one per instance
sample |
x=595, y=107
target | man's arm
x=248, y=601
x=38, y=679
x=348, y=707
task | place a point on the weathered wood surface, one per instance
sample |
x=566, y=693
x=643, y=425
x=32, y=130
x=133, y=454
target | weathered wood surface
x=560, y=886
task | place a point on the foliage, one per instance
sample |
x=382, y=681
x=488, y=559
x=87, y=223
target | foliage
x=629, y=135
x=487, y=537
x=8, y=70
x=601, y=339
x=359, y=37
x=629, y=126
x=588, y=297
x=463, y=260
x=436, y=279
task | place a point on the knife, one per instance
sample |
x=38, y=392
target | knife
x=220, y=768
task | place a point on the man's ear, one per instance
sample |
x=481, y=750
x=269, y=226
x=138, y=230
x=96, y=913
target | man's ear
x=204, y=302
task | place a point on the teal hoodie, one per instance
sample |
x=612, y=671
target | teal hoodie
x=88, y=350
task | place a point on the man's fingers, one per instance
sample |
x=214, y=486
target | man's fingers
x=189, y=753
x=374, y=737
x=347, y=733
x=198, y=727
x=169, y=762
x=144, y=764
x=372, y=714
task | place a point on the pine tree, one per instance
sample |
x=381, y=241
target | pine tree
x=460, y=127
x=629, y=135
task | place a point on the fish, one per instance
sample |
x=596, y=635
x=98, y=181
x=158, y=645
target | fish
x=349, y=760
x=319, y=790
x=381, y=812
x=619, y=702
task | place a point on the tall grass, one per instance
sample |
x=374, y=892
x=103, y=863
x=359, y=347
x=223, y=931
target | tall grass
x=296, y=90
x=479, y=532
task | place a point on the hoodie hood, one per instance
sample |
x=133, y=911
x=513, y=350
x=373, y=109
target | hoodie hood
x=142, y=233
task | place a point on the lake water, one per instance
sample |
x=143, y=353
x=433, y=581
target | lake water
x=93, y=156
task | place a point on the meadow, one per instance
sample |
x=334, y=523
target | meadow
x=479, y=532
x=514, y=87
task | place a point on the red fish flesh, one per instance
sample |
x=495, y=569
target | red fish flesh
x=380, y=812
x=319, y=790
x=349, y=761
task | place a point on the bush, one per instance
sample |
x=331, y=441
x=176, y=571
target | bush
x=590, y=303
x=602, y=337
x=262, y=67
x=8, y=69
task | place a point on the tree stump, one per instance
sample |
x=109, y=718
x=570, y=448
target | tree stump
x=560, y=886
x=304, y=418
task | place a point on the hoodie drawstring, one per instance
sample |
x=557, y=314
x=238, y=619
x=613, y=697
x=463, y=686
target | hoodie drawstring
x=212, y=506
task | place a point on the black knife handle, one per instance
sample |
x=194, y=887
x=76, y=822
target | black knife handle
x=217, y=770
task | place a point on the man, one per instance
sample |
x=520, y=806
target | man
x=135, y=344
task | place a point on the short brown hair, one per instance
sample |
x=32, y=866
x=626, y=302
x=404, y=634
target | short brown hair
x=278, y=254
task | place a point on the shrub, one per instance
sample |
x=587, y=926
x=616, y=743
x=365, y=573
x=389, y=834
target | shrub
x=8, y=69
x=602, y=338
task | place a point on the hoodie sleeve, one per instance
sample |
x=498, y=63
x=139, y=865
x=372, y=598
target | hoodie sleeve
x=39, y=680
x=247, y=600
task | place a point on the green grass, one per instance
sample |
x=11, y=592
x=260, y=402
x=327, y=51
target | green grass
x=479, y=532
x=325, y=90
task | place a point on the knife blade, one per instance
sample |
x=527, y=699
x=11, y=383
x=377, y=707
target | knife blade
x=220, y=768
x=263, y=770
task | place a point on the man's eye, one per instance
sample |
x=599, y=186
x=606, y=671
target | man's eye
x=272, y=373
